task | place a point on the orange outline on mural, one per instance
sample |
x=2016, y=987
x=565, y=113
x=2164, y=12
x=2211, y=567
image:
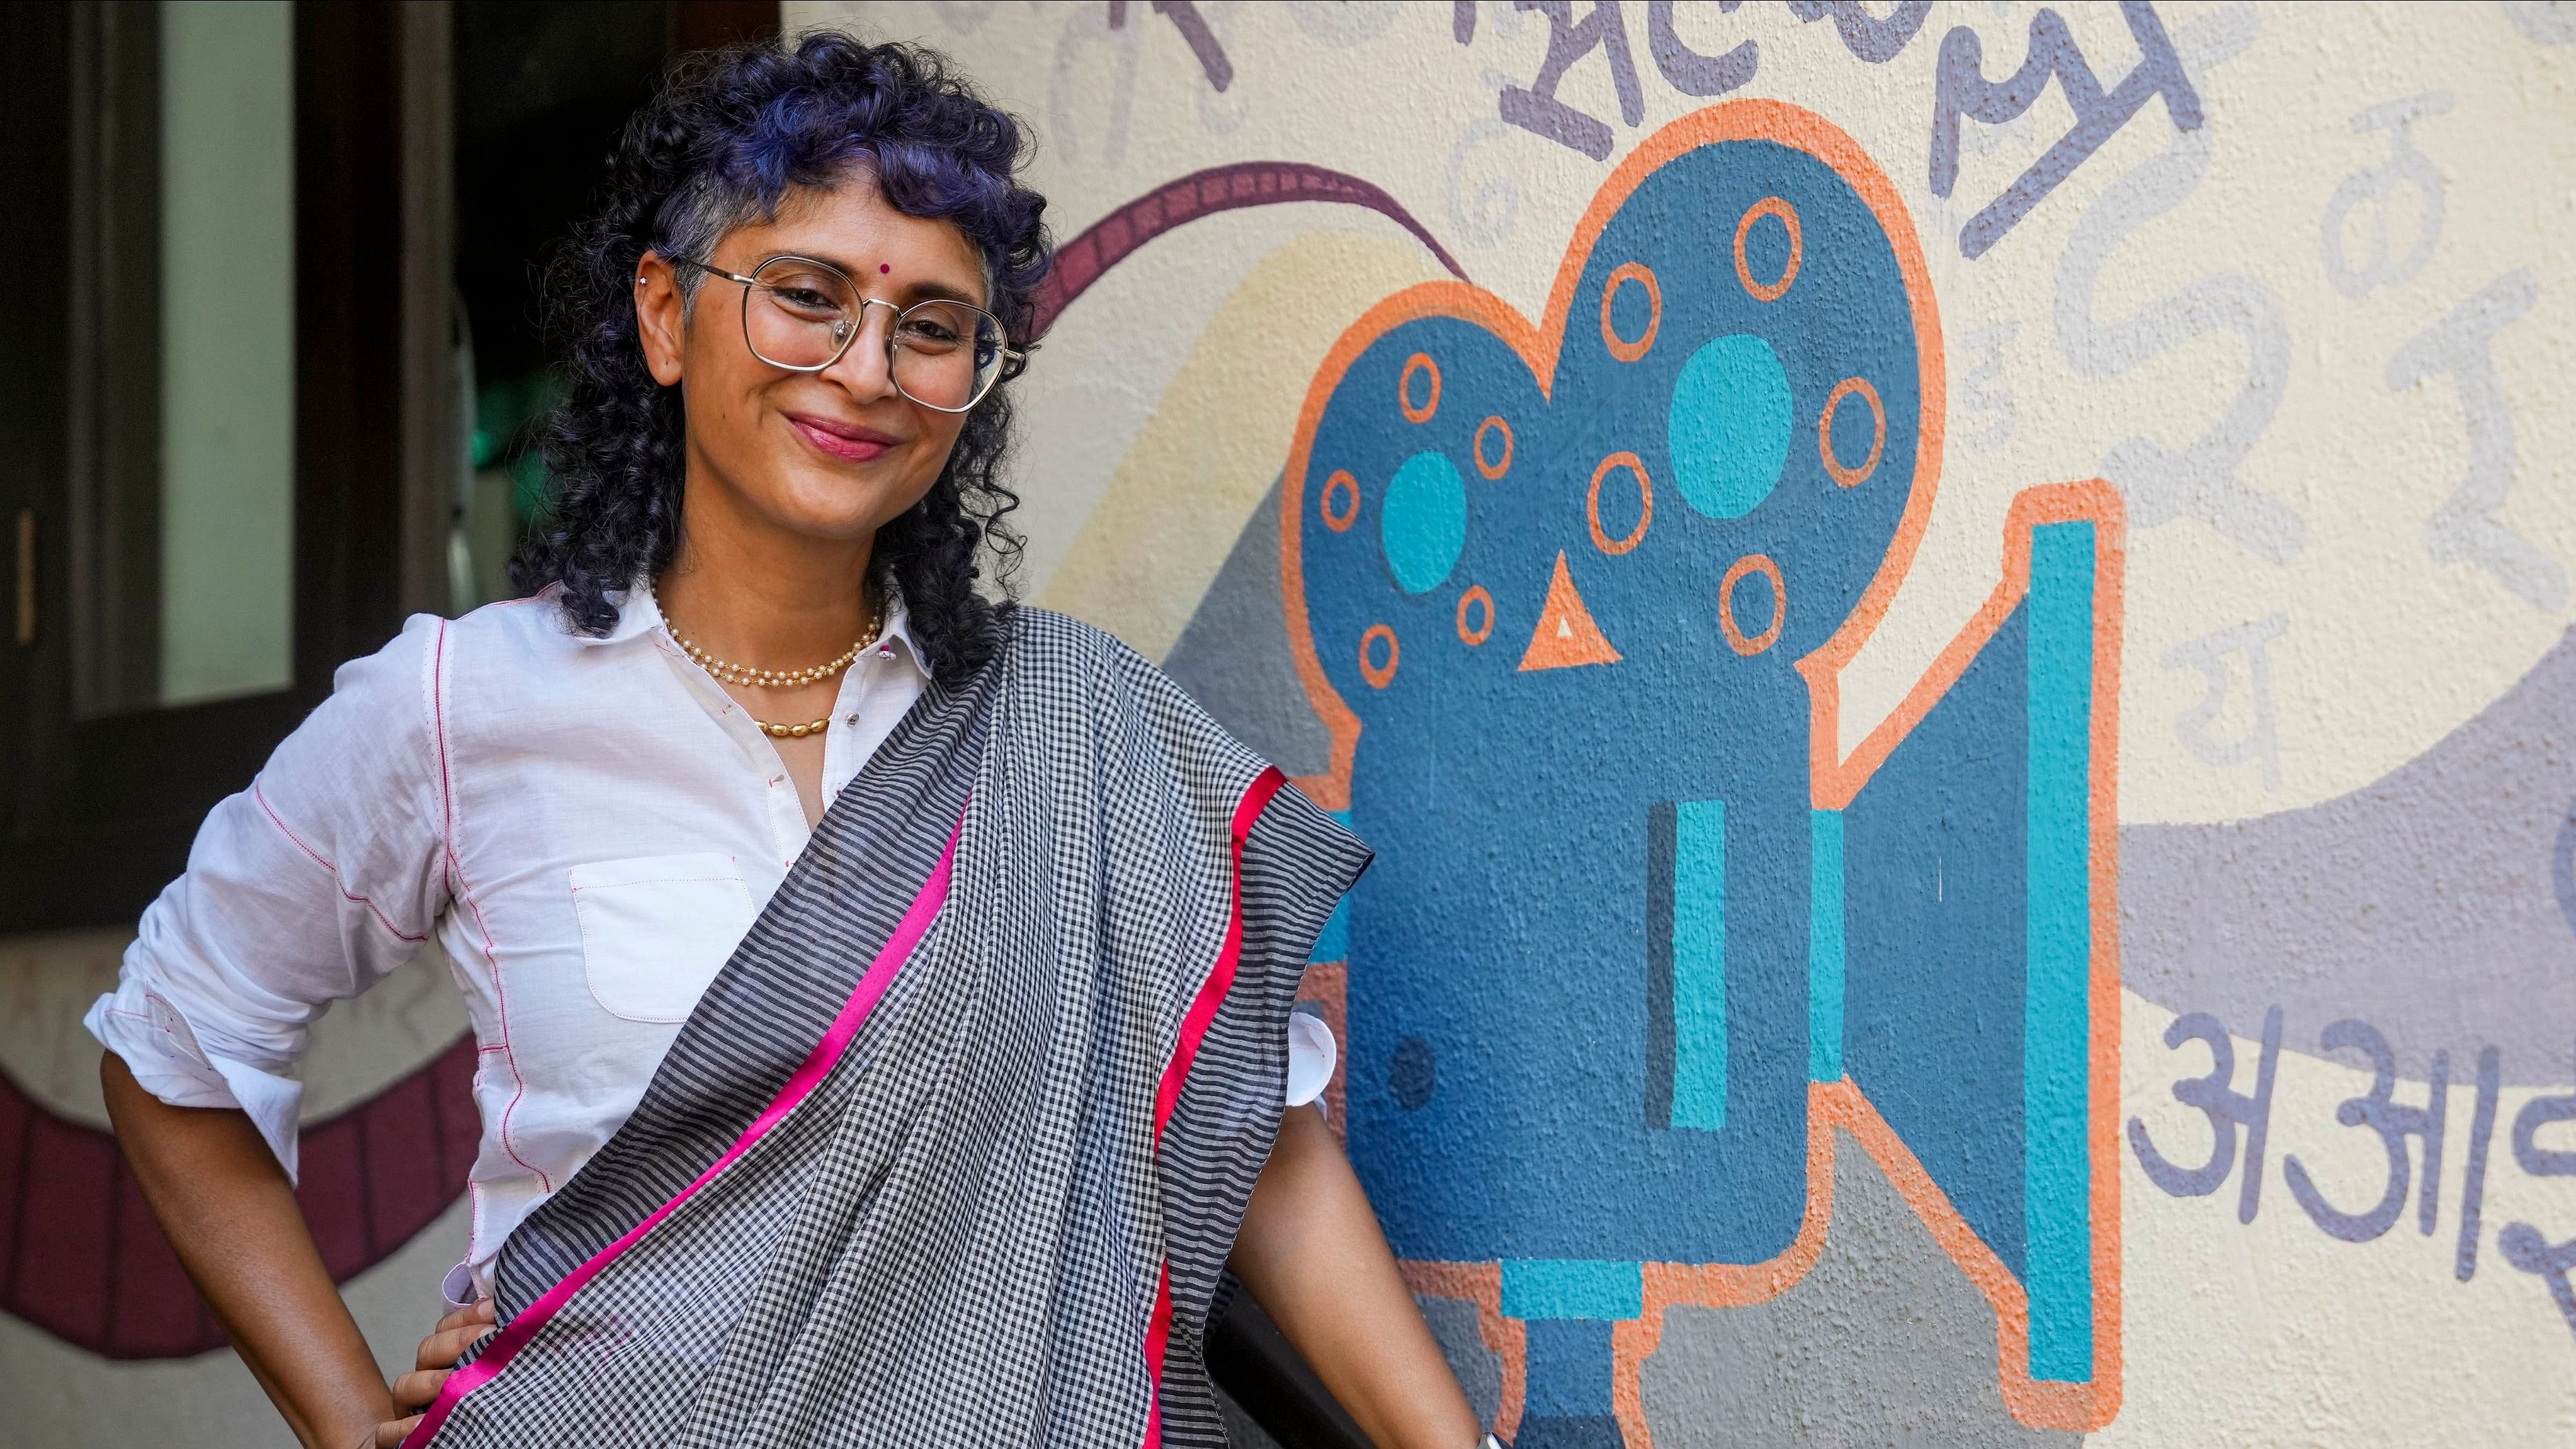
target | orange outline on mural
x=1769, y=568
x=1835, y=780
x=1770, y=206
x=1494, y=472
x=1404, y=388
x=1620, y=347
x=1475, y=595
x=1834, y=469
x=1341, y=522
x=1380, y=676
x=1645, y=504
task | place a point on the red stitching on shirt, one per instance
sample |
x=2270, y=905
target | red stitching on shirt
x=381, y=919
x=456, y=869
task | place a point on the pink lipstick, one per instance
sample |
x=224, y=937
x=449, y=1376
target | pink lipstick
x=849, y=442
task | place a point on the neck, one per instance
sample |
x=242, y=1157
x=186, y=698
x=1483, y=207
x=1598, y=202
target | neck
x=762, y=598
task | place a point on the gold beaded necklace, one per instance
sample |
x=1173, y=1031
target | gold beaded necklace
x=739, y=674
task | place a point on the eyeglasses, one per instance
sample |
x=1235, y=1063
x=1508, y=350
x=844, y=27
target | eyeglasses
x=801, y=314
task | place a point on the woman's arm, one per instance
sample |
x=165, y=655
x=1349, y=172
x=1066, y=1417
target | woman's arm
x=1312, y=1256
x=228, y=1209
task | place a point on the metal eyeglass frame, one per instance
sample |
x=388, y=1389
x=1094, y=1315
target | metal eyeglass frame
x=1013, y=359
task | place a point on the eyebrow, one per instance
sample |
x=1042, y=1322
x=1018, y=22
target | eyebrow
x=938, y=292
x=917, y=292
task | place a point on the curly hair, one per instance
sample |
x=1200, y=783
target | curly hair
x=730, y=133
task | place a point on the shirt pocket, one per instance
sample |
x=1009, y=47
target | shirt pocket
x=656, y=929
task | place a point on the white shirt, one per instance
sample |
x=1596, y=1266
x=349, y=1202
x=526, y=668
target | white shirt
x=587, y=825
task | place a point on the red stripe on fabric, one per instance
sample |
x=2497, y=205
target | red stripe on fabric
x=818, y=1064
x=1176, y=1073
x=1220, y=979
x=1158, y=1334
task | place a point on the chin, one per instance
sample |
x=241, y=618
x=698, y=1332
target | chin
x=842, y=502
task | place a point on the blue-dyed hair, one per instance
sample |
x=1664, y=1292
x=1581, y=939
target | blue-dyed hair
x=730, y=134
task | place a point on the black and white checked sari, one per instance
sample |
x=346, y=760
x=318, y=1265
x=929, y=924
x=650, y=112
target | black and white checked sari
x=953, y=1150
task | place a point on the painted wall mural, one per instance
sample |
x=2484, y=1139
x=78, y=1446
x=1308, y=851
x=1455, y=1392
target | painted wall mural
x=1952, y=625
x=1639, y=825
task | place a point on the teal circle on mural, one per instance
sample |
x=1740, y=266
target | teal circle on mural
x=1729, y=427
x=1423, y=526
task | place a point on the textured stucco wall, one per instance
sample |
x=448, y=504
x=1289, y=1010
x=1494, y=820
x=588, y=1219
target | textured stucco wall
x=1762, y=1039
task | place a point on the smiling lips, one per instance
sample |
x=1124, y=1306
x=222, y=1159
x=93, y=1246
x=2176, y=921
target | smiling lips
x=847, y=441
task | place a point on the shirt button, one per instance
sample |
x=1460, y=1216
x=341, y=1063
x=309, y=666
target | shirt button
x=777, y=780
x=850, y=719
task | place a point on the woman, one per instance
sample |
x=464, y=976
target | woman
x=882, y=993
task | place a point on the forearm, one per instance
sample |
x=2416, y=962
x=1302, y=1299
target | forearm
x=1312, y=1255
x=231, y=1214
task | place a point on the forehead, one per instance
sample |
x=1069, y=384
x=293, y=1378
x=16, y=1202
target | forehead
x=852, y=226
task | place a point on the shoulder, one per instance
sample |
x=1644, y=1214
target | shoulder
x=532, y=631
x=1058, y=651
x=1076, y=670
x=437, y=669
x=378, y=727
x=395, y=685
x=519, y=652
x=1043, y=638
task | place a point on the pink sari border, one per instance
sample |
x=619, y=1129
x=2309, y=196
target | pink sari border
x=818, y=1064
x=1194, y=1027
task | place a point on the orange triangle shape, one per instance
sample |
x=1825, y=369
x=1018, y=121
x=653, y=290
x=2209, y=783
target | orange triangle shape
x=1566, y=635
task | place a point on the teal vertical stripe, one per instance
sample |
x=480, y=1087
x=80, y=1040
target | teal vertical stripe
x=1562, y=1288
x=1825, y=946
x=2056, y=1035
x=1333, y=943
x=1699, y=964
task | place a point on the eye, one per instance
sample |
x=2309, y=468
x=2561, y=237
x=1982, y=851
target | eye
x=805, y=299
x=931, y=331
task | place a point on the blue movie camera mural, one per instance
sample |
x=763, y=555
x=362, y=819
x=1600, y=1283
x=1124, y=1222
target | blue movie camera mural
x=1573, y=600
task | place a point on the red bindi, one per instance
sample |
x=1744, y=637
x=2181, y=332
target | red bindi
x=884, y=267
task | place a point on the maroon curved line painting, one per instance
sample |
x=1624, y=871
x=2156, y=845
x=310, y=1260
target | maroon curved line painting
x=82, y=1258
x=1108, y=241
x=80, y=1253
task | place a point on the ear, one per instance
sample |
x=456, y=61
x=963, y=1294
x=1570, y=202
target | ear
x=661, y=316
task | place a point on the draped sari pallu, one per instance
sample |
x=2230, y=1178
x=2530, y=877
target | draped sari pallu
x=954, y=1148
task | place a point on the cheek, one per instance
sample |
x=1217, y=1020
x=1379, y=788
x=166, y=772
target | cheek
x=933, y=452
x=717, y=390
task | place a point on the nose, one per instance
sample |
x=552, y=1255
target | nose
x=865, y=366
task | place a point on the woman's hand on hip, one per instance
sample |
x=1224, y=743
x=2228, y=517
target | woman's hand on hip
x=414, y=1391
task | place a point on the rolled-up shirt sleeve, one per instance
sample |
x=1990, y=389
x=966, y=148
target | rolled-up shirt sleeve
x=306, y=888
x=1312, y=1054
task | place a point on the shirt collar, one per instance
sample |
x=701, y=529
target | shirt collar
x=639, y=614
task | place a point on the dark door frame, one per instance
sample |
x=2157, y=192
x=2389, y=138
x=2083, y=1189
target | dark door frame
x=97, y=814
